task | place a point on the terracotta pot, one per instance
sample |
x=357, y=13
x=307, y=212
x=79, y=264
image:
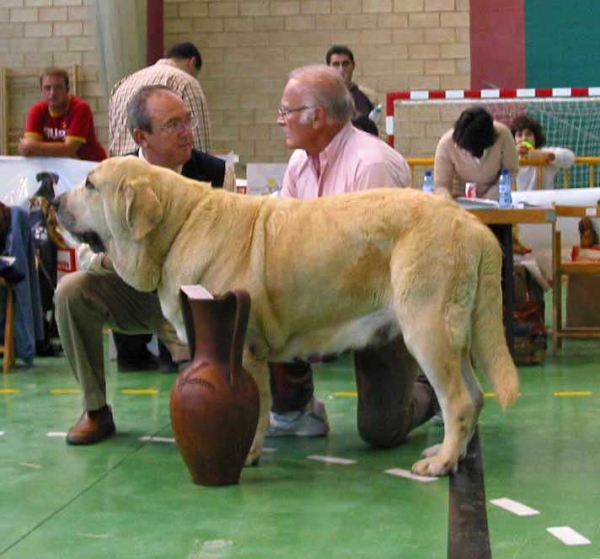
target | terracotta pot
x=214, y=402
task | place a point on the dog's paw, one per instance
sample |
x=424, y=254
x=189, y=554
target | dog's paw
x=434, y=467
x=431, y=451
x=253, y=456
x=251, y=461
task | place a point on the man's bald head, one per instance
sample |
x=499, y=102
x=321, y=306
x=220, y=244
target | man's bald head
x=323, y=86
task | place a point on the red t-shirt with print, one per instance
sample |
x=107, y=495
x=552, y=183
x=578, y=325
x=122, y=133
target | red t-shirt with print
x=77, y=122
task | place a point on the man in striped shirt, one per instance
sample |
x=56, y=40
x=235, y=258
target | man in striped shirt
x=179, y=70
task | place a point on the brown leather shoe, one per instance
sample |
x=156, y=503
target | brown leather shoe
x=92, y=427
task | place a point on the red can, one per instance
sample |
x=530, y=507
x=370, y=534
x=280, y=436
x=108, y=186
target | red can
x=471, y=190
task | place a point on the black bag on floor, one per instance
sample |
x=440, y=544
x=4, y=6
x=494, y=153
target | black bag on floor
x=529, y=329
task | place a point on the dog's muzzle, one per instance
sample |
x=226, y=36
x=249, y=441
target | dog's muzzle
x=90, y=238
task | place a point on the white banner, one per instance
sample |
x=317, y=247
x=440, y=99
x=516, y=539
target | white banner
x=18, y=175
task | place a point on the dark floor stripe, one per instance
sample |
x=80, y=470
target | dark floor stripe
x=468, y=535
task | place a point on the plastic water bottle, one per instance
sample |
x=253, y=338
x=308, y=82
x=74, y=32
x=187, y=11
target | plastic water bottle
x=505, y=190
x=375, y=114
x=428, y=183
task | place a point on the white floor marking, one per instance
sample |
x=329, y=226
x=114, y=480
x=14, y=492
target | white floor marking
x=331, y=460
x=212, y=549
x=150, y=439
x=56, y=434
x=96, y=536
x=268, y=449
x=514, y=506
x=2, y=433
x=30, y=465
x=568, y=536
x=399, y=472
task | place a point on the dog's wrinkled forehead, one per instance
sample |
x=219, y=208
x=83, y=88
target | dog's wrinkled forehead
x=115, y=171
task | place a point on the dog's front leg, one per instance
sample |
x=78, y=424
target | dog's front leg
x=258, y=368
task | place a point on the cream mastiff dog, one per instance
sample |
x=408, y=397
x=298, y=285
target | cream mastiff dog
x=324, y=275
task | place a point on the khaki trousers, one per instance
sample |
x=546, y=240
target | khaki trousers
x=86, y=302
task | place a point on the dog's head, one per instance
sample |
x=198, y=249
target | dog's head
x=115, y=210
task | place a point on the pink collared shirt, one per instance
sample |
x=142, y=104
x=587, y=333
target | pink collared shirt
x=353, y=160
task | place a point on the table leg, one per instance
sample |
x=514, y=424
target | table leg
x=503, y=233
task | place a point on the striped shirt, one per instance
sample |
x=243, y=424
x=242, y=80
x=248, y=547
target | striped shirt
x=164, y=72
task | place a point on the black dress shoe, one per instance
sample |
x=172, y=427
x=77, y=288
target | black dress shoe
x=130, y=365
x=169, y=367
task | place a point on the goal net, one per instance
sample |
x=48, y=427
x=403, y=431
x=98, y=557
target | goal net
x=570, y=118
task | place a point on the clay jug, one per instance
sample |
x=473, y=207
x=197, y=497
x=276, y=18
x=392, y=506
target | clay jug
x=214, y=402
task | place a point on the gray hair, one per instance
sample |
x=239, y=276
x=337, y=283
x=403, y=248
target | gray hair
x=137, y=109
x=323, y=86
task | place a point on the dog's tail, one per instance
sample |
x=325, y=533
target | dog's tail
x=488, y=346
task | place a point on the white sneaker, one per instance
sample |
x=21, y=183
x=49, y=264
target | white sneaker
x=310, y=422
x=437, y=419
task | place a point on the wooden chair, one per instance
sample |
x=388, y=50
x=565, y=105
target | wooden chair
x=8, y=345
x=562, y=269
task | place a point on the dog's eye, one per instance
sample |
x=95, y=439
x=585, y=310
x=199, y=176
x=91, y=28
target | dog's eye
x=89, y=184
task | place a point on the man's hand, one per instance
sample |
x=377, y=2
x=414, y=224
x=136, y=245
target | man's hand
x=527, y=151
x=26, y=146
x=34, y=147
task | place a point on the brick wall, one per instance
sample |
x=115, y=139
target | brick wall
x=248, y=48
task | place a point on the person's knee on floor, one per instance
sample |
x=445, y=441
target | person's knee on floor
x=393, y=397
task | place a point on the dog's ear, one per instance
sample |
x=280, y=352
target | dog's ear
x=143, y=210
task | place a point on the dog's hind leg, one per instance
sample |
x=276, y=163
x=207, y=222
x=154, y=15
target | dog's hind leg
x=259, y=370
x=449, y=371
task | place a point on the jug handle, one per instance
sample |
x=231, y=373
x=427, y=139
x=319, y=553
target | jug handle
x=240, y=324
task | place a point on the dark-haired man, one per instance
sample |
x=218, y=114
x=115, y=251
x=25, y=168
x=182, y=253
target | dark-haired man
x=61, y=124
x=341, y=59
x=179, y=70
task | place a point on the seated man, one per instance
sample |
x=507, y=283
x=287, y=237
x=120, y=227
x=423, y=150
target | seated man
x=61, y=125
x=332, y=157
x=88, y=300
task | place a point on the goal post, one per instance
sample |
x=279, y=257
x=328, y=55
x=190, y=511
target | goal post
x=570, y=117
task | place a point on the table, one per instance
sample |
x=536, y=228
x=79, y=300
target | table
x=501, y=221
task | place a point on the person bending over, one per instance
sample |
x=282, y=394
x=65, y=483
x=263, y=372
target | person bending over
x=475, y=150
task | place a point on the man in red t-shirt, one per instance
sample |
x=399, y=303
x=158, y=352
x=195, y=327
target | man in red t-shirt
x=61, y=125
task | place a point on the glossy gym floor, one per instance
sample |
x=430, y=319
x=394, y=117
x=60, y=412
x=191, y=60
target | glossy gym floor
x=132, y=497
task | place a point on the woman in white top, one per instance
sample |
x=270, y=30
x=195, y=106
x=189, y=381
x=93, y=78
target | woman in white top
x=530, y=140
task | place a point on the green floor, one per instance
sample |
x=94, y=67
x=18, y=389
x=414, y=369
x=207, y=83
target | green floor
x=126, y=498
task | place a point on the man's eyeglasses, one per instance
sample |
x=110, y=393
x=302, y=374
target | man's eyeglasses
x=179, y=125
x=284, y=112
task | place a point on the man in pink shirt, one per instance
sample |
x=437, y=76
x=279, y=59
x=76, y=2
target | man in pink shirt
x=332, y=157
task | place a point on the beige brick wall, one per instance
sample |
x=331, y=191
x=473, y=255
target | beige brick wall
x=248, y=47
